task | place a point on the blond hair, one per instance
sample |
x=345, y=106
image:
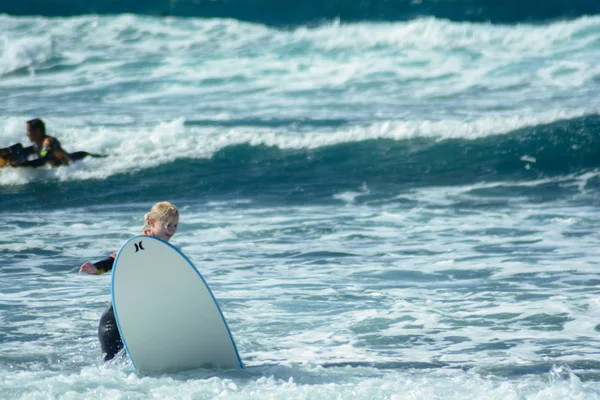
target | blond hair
x=162, y=211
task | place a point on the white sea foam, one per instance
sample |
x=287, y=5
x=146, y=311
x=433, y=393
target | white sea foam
x=296, y=305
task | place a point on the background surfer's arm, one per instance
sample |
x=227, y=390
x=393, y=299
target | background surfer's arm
x=38, y=162
x=28, y=151
x=54, y=157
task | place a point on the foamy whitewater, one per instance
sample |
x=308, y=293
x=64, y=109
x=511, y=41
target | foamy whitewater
x=384, y=210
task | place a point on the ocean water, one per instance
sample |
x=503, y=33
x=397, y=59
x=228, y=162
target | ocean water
x=394, y=207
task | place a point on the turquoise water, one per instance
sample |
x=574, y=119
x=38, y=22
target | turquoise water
x=384, y=210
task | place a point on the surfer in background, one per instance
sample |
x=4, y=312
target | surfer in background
x=46, y=148
x=162, y=222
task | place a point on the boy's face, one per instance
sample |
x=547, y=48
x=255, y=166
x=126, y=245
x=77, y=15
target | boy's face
x=162, y=229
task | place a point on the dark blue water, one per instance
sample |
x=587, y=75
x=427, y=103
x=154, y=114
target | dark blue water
x=286, y=12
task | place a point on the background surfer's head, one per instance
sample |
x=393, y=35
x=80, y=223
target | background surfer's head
x=36, y=130
x=162, y=220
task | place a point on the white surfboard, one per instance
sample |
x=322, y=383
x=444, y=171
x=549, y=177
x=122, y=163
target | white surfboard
x=167, y=315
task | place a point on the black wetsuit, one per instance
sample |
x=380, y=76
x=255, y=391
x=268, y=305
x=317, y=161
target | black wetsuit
x=108, y=332
x=51, y=153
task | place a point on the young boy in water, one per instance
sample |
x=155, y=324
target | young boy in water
x=162, y=222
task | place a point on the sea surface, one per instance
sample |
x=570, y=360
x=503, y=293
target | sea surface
x=389, y=200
